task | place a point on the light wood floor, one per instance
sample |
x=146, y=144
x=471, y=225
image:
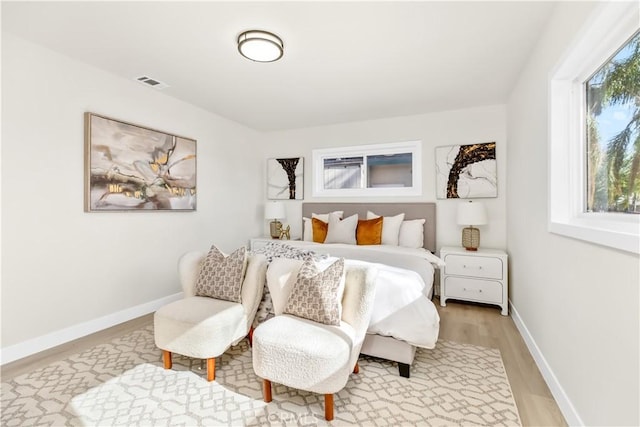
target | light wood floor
x=485, y=326
x=460, y=322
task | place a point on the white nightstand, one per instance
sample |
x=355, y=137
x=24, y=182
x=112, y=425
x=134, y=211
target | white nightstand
x=259, y=242
x=479, y=276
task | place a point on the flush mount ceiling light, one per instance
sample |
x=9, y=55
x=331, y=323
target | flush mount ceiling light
x=260, y=46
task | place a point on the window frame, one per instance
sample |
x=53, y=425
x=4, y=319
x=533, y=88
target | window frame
x=413, y=147
x=612, y=24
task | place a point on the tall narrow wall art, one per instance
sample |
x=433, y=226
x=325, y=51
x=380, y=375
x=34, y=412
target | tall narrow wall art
x=134, y=168
x=285, y=178
x=466, y=171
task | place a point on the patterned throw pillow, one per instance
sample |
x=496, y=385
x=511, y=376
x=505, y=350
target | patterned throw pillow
x=273, y=250
x=317, y=294
x=221, y=277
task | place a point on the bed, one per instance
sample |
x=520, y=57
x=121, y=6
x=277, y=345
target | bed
x=382, y=344
x=404, y=316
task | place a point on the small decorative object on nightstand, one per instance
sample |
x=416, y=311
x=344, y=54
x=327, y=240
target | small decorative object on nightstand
x=479, y=276
x=471, y=214
x=285, y=233
x=274, y=211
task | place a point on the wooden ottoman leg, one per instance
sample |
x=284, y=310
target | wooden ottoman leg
x=211, y=369
x=166, y=358
x=356, y=369
x=266, y=390
x=328, y=407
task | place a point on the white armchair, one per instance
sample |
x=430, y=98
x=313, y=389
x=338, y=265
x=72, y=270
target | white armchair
x=311, y=356
x=203, y=327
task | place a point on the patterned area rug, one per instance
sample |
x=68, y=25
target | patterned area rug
x=123, y=383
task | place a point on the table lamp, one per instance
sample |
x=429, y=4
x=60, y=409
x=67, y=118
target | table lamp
x=274, y=211
x=471, y=214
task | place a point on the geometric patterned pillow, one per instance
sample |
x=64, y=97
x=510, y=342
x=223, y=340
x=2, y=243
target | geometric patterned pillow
x=221, y=277
x=317, y=294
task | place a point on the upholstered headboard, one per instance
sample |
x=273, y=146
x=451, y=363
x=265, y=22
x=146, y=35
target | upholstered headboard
x=426, y=210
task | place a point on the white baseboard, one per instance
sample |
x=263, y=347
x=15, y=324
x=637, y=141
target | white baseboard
x=35, y=345
x=564, y=403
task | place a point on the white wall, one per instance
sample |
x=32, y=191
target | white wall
x=579, y=302
x=62, y=266
x=483, y=124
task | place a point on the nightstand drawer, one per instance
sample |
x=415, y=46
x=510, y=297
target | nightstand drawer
x=473, y=266
x=473, y=290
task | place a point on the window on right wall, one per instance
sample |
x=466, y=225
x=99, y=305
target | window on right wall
x=612, y=130
x=594, y=132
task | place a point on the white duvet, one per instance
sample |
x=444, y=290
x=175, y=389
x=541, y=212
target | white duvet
x=402, y=307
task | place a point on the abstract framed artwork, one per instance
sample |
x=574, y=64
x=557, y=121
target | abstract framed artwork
x=134, y=168
x=466, y=171
x=285, y=178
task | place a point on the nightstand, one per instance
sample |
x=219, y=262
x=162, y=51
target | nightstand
x=479, y=276
x=260, y=242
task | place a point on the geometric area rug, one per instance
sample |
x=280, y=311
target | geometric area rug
x=123, y=383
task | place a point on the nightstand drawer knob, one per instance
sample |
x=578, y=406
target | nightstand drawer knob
x=470, y=290
x=479, y=267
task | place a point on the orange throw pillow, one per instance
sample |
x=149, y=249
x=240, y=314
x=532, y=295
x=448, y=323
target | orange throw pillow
x=319, y=230
x=369, y=231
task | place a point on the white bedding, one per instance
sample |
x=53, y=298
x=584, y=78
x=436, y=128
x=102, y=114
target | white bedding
x=419, y=260
x=402, y=307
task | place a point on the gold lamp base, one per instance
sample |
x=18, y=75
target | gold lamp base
x=275, y=229
x=470, y=238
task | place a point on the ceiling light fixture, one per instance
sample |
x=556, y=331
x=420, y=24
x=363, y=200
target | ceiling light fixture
x=260, y=46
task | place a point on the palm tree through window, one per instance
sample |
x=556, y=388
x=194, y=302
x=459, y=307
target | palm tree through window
x=613, y=132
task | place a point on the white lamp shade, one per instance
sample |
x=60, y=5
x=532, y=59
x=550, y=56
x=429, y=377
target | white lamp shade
x=274, y=210
x=472, y=213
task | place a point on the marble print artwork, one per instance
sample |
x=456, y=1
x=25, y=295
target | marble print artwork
x=132, y=168
x=466, y=171
x=285, y=178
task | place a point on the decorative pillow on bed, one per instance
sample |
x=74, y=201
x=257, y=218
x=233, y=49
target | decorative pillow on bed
x=390, y=227
x=317, y=295
x=341, y=230
x=411, y=233
x=307, y=230
x=369, y=231
x=319, y=228
x=221, y=276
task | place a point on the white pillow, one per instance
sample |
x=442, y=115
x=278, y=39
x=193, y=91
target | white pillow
x=390, y=227
x=281, y=276
x=342, y=230
x=411, y=233
x=307, y=231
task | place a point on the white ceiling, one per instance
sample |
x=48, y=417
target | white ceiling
x=343, y=61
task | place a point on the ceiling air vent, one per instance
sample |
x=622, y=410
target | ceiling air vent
x=154, y=83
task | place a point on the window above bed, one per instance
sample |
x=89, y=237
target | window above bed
x=391, y=169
